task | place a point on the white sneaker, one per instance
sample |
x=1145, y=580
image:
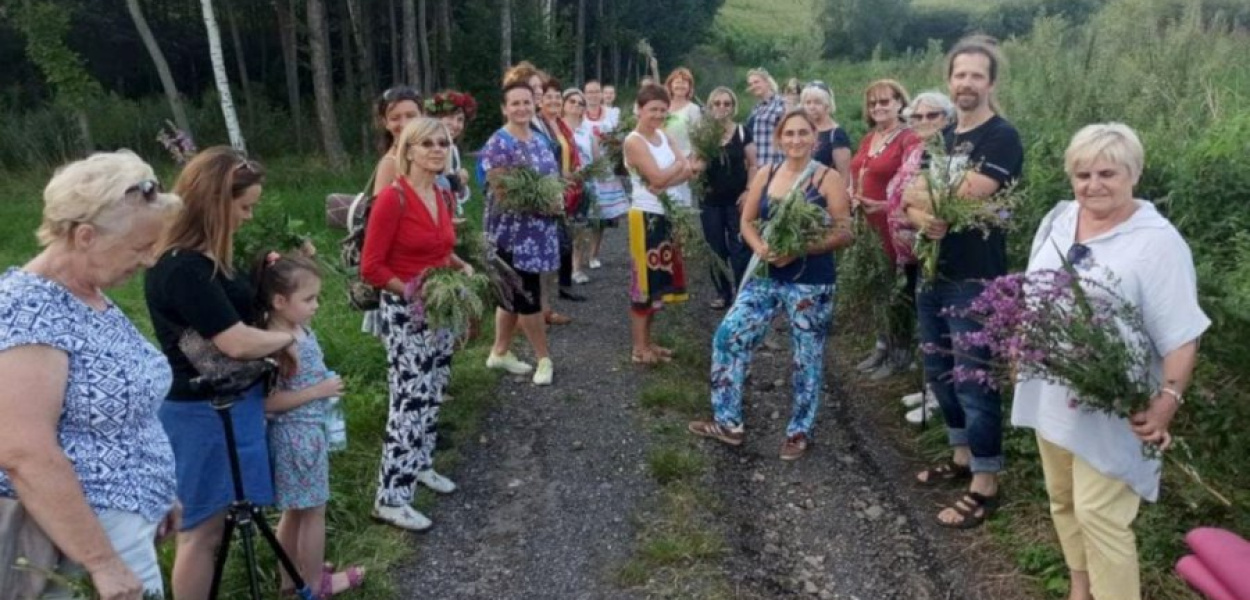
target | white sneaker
x=545, y=372
x=595, y=264
x=435, y=482
x=403, y=517
x=912, y=400
x=580, y=277
x=920, y=414
x=508, y=362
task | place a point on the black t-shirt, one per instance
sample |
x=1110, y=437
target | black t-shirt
x=727, y=174
x=994, y=147
x=182, y=291
x=827, y=142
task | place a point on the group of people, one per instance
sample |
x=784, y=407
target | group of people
x=109, y=443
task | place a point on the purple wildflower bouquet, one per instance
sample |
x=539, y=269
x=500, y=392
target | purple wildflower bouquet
x=943, y=178
x=177, y=142
x=1067, y=329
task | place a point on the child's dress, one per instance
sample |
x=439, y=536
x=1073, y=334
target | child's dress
x=297, y=438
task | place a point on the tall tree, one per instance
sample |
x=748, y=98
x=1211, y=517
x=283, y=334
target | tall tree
x=396, y=67
x=219, y=75
x=364, y=50
x=162, y=66
x=444, y=38
x=411, y=66
x=505, y=35
x=289, y=36
x=423, y=36
x=323, y=85
x=579, y=52
x=599, y=42
x=46, y=26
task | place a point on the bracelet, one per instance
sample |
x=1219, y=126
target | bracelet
x=1180, y=400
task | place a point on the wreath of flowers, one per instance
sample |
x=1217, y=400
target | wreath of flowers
x=444, y=103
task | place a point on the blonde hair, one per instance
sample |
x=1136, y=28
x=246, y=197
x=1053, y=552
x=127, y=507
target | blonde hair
x=98, y=190
x=897, y=91
x=772, y=83
x=209, y=185
x=724, y=91
x=820, y=95
x=417, y=131
x=1115, y=142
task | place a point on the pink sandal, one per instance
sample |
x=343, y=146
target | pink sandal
x=355, y=579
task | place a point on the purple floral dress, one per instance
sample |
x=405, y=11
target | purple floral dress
x=297, y=438
x=532, y=241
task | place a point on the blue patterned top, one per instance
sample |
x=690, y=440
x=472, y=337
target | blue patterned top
x=533, y=241
x=312, y=370
x=117, y=379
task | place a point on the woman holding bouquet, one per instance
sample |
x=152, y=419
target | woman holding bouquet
x=1096, y=472
x=529, y=243
x=802, y=286
x=683, y=115
x=879, y=157
x=727, y=177
x=410, y=231
x=657, y=274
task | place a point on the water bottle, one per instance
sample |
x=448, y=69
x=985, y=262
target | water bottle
x=336, y=422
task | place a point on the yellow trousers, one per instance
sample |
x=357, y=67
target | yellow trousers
x=1093, y=516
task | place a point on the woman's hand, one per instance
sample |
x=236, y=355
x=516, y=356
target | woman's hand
x=170, y=524
x=781, y=260
x=1151, y=425
x=331, y=386
x=868, y=205
x=935, y=228
x=696, y=164
x=467, y=269
x=113, y=580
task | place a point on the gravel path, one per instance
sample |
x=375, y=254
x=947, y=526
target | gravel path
x=547, y=492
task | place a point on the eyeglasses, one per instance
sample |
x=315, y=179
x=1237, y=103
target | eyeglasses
x=724, y=103
x=429, y=144
x=880, y=102
x=577, y=102
x=1080, y=256
x=148, y=187
x=928, y=116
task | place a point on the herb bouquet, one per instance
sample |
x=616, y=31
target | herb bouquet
x=523, y=190
x=1070, y=330
x=942, y=181
x=705, y=140
x=446, y=298
x=793, y=225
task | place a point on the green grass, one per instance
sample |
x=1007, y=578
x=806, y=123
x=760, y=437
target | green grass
x=297, y=187
x=765, y=18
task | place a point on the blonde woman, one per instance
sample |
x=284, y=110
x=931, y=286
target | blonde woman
x=833, y=145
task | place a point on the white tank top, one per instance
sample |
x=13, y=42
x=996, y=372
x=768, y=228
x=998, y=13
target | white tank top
x=640, y=197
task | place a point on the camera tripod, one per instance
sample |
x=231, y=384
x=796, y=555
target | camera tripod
x=246, y=518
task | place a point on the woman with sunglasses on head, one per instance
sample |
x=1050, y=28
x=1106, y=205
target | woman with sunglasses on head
x=410, y=230
x=879, y=157
x=81, y=447
x=727, y=178
x=394, y=109
x=833, y=146
x=803, y=286
x=194, y=287
x=1095, y=472
x=929, y=114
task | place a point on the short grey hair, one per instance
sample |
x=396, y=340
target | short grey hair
x=1115, y=142
x=935, y=99
x=820, y=95
x=94, y=191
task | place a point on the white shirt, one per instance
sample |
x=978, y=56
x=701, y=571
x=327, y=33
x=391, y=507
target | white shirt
x=1147, y=262
x=641, y=198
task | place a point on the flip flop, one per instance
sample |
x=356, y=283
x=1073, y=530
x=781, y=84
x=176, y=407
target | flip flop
x=355, y=579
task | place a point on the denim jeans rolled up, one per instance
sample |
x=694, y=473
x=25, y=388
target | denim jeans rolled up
x=973, y=412
x=721, y=228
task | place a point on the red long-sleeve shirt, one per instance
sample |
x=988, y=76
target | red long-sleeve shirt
x=402, y=239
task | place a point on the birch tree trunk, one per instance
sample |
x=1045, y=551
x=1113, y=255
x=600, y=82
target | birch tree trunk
x=423, y=37
x=323, y=85
x=241, y=61
x=162, y=67
x=289, y=36
x=411, y=66
x=505, y=35
x=579, y=53
x=219, y=75
x=444, y=28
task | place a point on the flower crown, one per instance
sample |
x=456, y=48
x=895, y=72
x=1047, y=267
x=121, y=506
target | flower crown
x=445, y=103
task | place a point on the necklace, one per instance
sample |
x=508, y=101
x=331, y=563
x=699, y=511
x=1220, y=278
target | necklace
x=875, y=150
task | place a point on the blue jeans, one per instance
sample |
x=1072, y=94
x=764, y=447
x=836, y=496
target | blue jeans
x=721, y=228
x=973, y=412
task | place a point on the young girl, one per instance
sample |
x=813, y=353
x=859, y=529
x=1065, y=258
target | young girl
x=288, y=288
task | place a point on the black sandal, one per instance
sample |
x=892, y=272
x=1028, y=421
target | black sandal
x=973, y=509
x=947, y=472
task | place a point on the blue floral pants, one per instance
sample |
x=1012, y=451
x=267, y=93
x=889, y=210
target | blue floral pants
x=810, y=311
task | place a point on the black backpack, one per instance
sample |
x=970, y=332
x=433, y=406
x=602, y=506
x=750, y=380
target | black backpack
x=360, y=294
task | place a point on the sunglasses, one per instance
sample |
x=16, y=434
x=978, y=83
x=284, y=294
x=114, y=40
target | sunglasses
x=929, y=116
x=724, y=103
x=246, y=165
x=148, y=187
x=820, y=85
x=1080, y=256
x=880, y=102
x=401, y=92
x=577, y=102
x=430, y=144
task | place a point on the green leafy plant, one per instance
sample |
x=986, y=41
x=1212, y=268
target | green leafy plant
x=523, y=190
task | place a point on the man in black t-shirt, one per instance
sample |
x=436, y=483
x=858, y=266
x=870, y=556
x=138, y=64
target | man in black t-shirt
x=973, y=411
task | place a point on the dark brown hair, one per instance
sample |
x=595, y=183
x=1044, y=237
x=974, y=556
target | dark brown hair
x=208, y=186
x=650, y=93
x=386, y=101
